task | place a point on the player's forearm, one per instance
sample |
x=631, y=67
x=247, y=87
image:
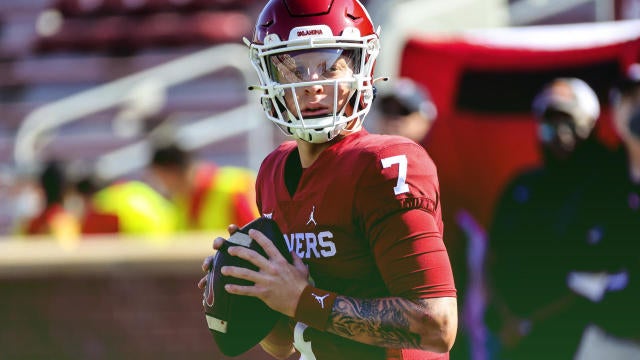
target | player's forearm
x=393, y=322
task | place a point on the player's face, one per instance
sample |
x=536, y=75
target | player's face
x=323, y=69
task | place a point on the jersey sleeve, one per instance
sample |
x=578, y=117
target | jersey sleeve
x=412, y=257
x=398, y=205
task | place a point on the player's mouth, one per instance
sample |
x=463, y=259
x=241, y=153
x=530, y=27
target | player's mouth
x=315, y=110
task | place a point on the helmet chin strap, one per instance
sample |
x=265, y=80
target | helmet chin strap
x=318, y=136
x=327, y=134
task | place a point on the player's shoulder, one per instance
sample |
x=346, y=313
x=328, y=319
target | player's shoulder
x=376, y=151
x=373, y=142
x=379, y=145
x=380, y=159
x=282, y=151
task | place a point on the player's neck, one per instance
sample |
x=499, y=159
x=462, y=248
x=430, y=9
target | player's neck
x=309, y=152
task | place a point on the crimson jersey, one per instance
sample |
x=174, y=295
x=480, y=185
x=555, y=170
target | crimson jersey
x=366, y=219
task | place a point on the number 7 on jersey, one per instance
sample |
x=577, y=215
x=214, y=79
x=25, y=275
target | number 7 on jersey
x=401, y=185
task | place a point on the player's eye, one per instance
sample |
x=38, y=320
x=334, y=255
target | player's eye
x=300, y=72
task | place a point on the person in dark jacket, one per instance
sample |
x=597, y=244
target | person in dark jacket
x=607, y=258
x=530, y=237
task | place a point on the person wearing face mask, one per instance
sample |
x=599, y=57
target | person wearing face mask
x=567, y=110
x=530, y=242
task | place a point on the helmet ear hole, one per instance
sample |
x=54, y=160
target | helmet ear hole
x=353, y=99
x=281, y=105
x=289, y=130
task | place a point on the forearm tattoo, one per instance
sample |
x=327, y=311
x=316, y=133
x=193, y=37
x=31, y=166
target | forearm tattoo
x=381, y=322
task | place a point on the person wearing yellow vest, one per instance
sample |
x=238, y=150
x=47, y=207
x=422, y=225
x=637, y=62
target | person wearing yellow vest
x=140, y=209
x=128, y=207
x=207, y=196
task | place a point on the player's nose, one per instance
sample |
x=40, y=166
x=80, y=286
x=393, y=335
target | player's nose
x=314, y=89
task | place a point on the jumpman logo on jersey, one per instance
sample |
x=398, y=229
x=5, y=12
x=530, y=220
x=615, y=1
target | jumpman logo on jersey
x=320, y=299
x=311, y=219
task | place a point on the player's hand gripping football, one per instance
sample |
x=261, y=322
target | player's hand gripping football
x=208, y=261
x=277, y=283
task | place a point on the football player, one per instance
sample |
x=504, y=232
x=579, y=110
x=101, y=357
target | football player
x=361, y=213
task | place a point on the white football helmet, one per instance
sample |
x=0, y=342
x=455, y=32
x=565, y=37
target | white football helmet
x=300, y=45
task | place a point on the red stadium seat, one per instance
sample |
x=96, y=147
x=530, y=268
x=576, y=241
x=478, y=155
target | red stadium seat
x=80, y=8
x=165, y=29
x=121, y=35
x=109, y=34
x=92, y=8
x=72, y=36
x=122, y=27
x=112, y=35
x=221, y=27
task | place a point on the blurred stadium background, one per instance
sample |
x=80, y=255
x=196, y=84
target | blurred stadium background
x=94, y=81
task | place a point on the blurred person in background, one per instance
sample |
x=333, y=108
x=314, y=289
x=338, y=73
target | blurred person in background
x=606, y=262
x=128, y=207
x=530, y=240
x=406, y=109
x=206, y=196
x=79, y=201
x=625, y=101
x=23, y=199
x=52, y=219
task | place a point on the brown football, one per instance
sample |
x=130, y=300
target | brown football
x=238, y=323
